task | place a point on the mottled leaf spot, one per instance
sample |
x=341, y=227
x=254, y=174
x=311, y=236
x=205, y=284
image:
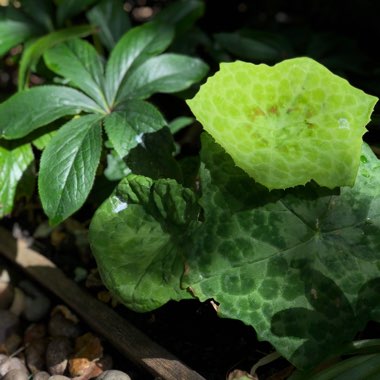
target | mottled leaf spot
x=234, y=283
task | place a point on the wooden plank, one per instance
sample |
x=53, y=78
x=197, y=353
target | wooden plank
x=126, y=338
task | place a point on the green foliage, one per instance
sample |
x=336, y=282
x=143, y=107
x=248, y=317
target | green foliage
x=110, y=94
x=296, y=264
x=300, y=265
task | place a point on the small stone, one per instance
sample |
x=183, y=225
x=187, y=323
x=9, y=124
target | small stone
x=16, y=374
x=8, y=364
x=35, y=355
x=59, y=377
x=113, y=374
x=41, y=376
x=35, y=331
x=57, y=354
x=59, y=325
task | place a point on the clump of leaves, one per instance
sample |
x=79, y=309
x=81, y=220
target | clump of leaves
x=110, y=96
x=300, y=265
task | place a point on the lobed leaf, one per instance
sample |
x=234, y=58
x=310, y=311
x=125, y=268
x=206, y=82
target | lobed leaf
x=33, y=108
x=288, y=124
x=79, y=62
x=165, y=73
x=301, y=266
x=14, y=161
x=68, y=167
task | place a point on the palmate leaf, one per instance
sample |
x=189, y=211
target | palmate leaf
x=68, y=167
x=14, y=161
x=33, y=108
x=301, y=266
x=79, y=62
x=165, y=73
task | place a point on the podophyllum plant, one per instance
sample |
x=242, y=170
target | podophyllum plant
x=109, y=96
x=284, y=233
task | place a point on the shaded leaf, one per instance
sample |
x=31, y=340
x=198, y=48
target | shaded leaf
x=247, y=48
x=112, y=20
x=35, y=50
x=78, y=61
x=68, y=167
x=179, y=123
x=165, y=73
x=44, y=14
x=182, y=14
x=68, y=8
x=154, y=157
x=14, y=161
x=15, y=28
x=33, y=108
x=41, y=141
x=136, y=46
x=116, y=167
x=125, y=128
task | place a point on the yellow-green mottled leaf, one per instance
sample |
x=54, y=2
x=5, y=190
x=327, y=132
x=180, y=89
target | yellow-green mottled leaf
x=286, y=124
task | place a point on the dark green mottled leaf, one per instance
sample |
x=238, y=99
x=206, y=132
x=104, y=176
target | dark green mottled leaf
x=33, y=108
x=165, y=73
x=112, y=20
x=68, y=167
x=302, y=266
x=14, y=161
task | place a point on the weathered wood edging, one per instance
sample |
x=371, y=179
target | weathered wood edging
x=126, y=338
